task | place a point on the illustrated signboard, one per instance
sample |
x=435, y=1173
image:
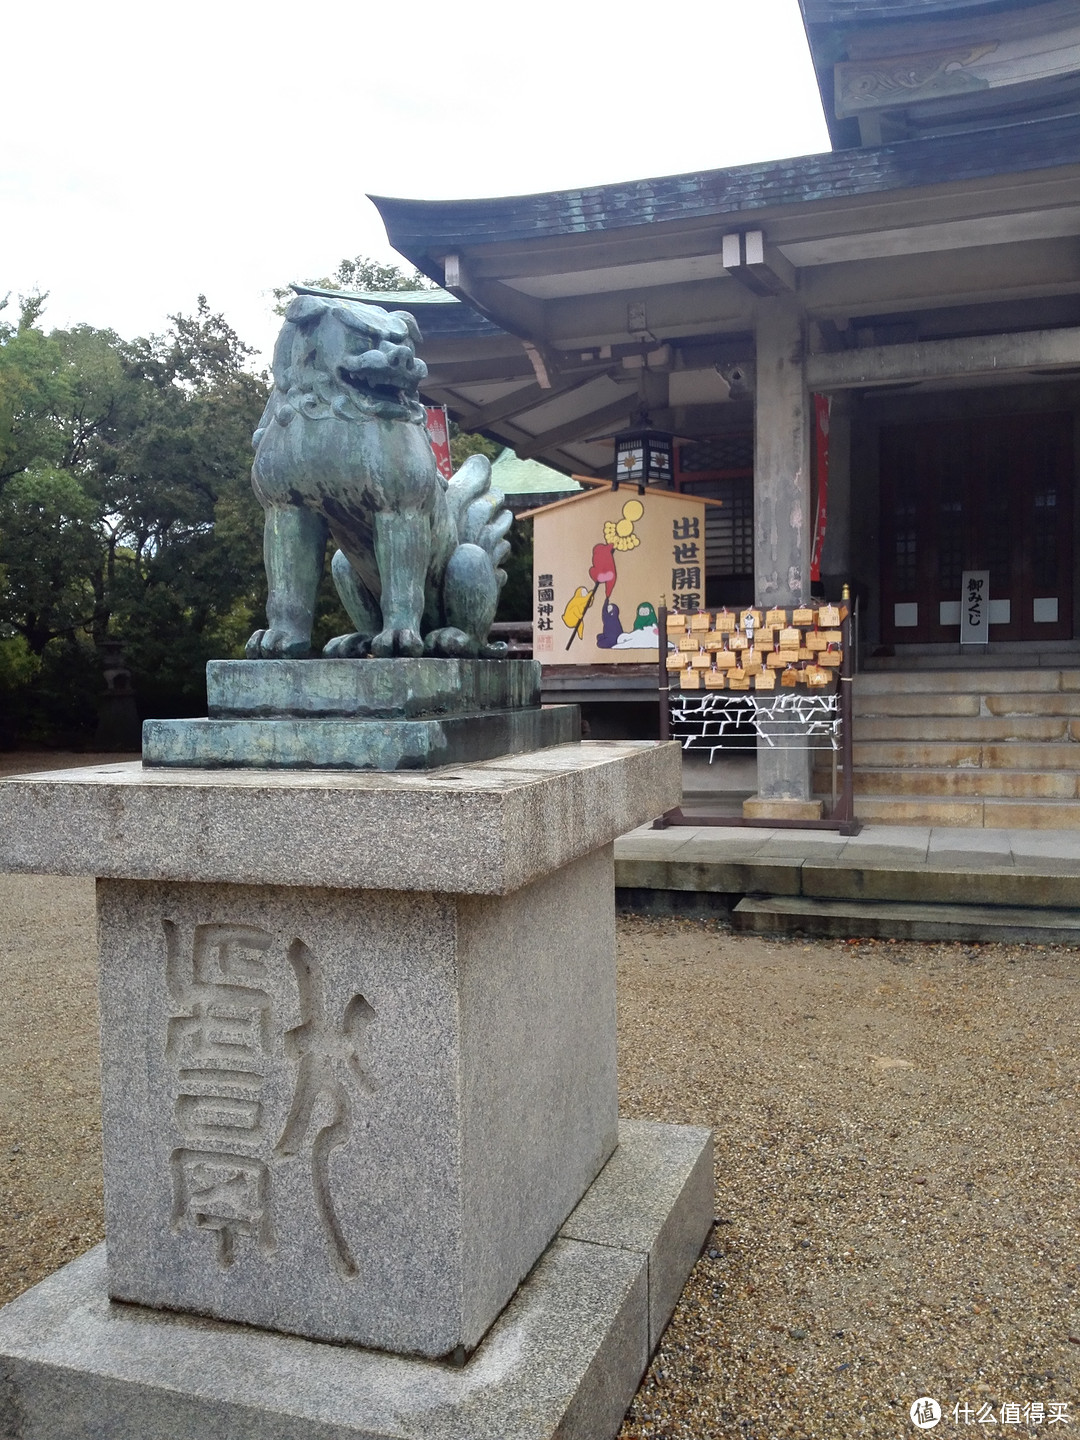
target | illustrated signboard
x=602, y=561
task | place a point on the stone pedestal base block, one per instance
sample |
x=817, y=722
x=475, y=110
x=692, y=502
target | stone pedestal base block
x=760, y=807
x=369, y=689
x=358, y=1030
x=401, y=714
x=318, y=744
x=561, y=1363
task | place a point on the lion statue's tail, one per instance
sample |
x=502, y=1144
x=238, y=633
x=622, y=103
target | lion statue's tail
x=477, y=513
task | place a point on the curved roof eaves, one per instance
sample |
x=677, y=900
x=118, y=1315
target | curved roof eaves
x=417, y=226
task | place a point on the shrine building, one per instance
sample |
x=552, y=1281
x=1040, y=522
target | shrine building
x=870, y=357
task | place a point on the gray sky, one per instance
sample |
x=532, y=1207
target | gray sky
x=153, y=152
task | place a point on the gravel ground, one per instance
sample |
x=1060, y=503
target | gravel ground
x=896, y=1186
x=897, y=1144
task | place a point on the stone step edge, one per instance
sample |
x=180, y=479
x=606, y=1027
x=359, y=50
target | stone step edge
x=911, y=920
x=868, y=704
x=1072, y=747
x=943, y=802
x=972, y=725
x=760, y=874
x=867, y=773
x=914, y=771
x=1051, y=679
x=1006, y=785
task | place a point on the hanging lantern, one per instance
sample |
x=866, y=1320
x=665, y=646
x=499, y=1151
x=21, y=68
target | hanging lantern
x=644, y=456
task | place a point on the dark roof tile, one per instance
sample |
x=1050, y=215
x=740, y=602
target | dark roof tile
x=417, y=227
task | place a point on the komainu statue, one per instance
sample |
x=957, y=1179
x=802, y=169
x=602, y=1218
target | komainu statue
x=342, y=452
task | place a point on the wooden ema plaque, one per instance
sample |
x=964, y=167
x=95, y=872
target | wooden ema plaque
x=715, y=649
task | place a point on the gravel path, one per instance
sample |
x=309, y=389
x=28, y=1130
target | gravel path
x=897, y=1164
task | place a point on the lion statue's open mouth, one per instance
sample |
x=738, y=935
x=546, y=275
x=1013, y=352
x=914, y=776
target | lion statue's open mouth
x=386, y=377
x=341, y=452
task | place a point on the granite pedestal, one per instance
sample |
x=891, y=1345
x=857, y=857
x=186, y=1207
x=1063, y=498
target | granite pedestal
x=562, y=1362
x=358, y=1070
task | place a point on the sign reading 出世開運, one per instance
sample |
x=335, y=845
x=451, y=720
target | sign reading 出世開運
x=604, y=563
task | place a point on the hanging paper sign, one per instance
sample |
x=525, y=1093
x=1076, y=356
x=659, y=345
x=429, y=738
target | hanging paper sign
x=975, y=607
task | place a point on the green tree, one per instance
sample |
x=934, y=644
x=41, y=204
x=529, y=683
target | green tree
x=187, y=583
x=126, y=509
x=34, y=388
x=362, y=274
x=49, y=550
x=371, y=276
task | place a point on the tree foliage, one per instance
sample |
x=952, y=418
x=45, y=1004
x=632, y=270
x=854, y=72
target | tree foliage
x=364, y=275
x=126, y=512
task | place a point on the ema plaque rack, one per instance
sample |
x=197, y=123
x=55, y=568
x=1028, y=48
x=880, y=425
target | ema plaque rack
x=781, y=675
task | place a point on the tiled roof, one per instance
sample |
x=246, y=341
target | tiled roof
x=436, y=311
x=836, y=12
x=528, y=477
x=417, y=226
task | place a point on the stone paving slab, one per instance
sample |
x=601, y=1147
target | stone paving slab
x=981, y=842
x=884, y=864
x=722, y=844
x=656, y=1197
x=892, y=837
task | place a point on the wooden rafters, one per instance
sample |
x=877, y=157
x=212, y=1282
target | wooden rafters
x=578, y=429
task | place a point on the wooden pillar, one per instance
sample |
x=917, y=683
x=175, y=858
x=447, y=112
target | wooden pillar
x=783, y=524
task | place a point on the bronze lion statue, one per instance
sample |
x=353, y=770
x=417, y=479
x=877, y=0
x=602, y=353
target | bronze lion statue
x=342, y=453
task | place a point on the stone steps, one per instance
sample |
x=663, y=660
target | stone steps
x=891, y=883
x=967, y=682
x=981, y=748
x=947, y=754
x=991, y=814
x=906, y=920
x=961, y=783
x=962, y=729
x=718, y=866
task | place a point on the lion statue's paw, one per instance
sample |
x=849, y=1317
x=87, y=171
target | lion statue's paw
x=450, y=643
x=277, y=644
x=348, y=647
x=396, y=642
x=494, y=650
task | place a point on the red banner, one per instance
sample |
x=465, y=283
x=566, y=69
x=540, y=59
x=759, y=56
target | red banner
x=438, y=429
x=822, y=406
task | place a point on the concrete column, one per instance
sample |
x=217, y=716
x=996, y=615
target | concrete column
x=783, y=523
